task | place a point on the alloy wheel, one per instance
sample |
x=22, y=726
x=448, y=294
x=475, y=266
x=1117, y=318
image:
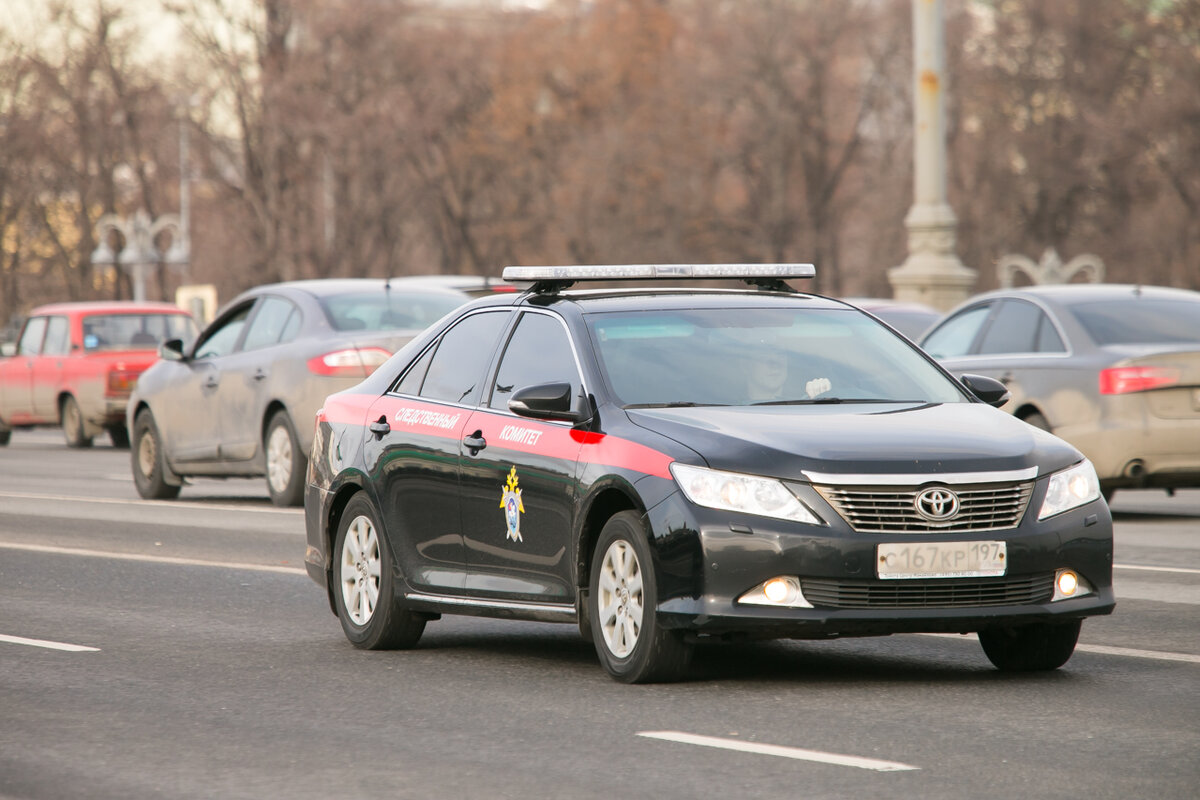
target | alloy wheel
x=621, y=600
x=360, y=570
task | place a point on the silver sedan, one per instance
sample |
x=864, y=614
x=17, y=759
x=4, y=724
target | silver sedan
x=1113, y=369
x=243, y=399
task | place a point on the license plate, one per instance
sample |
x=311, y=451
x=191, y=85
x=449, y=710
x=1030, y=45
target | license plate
x=941, y=560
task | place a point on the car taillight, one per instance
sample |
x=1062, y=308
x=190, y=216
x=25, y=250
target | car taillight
x=1123, y=380
x=351, y=362
x=121, y=381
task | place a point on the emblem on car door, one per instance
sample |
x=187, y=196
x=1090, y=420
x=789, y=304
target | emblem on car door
x=510, y=501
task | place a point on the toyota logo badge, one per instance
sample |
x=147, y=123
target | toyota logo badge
x=937, y=504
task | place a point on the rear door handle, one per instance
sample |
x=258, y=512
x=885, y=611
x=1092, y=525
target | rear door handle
x=380, y=427
x=475, y=442
x=211, y=382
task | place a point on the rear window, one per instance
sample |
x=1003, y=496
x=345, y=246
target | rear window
x=1140, y=321
x=381, y=310
x=135, y=331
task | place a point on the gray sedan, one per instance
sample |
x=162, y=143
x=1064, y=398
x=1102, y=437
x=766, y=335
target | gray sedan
x=243, y=399
x=1114, y=370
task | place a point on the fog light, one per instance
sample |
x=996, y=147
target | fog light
x=1068, y=583
x=776, y=590
x=781, y=591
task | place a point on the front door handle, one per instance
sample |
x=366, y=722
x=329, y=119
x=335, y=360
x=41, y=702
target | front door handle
x=1006, y=378
x=211, y=383
x=380, y=427
x=475, y=442
x=259, y=375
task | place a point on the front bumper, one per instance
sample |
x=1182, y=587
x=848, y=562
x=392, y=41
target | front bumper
x=707, y=559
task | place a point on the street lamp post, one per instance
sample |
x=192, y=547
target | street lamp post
x=140, y=251
x=932, y=273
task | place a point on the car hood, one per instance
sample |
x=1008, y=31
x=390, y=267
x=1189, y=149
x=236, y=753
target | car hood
x=786, y=441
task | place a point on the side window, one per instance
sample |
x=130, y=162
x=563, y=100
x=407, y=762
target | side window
x=31, y=337
x=58, y=337
x=221, y=341
x=412, y=380
x=1013, y=329
x=269, y=323
x=456, y=372
x=954, y=336
x=538, y=352
x=1048, y=340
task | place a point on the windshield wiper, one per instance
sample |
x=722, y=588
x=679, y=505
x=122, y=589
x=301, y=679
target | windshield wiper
x=673, y=404
x=817, y=401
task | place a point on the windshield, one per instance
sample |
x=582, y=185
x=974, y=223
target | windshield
x=1140, y=321
x=135, y=331
x=749, y=356
x=384, y=310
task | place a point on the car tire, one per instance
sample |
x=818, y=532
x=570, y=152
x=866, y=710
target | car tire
x=1030, y=648
x=72, y=423
x=149, y=461
x=4, y=437
x=631, y=644
x=286, y=465
x=364, y=590
x=119, y=436
x=1038, y=421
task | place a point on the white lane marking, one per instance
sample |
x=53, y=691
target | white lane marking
x=163, y=503
x=1102, y=649
x=777, y=750
x=187, y=562
x=1158, y=655
x=1179, y=570
x=70, y=648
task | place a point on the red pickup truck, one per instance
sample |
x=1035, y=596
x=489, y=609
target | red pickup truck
x=74, y=365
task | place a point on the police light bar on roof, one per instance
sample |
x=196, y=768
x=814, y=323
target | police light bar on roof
x=627, y=272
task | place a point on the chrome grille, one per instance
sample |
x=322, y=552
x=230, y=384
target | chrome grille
x=937, y=593
x=893, y=509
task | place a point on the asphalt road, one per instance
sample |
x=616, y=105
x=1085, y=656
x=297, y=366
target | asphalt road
x=177, y=650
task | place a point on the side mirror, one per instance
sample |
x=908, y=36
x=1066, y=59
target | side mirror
x=989, y=390
x=545, y=401
x=171, y=350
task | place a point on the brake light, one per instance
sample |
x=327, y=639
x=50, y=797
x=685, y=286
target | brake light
x=121, y=381
x=351, y=362
x=1123, y=380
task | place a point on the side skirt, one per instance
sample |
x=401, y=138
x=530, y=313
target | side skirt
x=502, y=609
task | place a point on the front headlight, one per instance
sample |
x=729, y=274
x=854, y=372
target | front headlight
x=748, y=494
x=1069, y=489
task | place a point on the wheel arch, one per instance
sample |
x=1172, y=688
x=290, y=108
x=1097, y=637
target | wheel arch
x=333, y=520
x=268, y=413
x=1027, y=409
x=601, y=507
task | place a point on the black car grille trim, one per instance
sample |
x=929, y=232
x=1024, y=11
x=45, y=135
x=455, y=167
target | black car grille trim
x=934, y=593
x=887, y=509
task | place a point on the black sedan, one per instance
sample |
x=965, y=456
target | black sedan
x=241, y=401
x=667, y=465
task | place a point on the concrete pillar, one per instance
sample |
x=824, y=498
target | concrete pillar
x=932, y=273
